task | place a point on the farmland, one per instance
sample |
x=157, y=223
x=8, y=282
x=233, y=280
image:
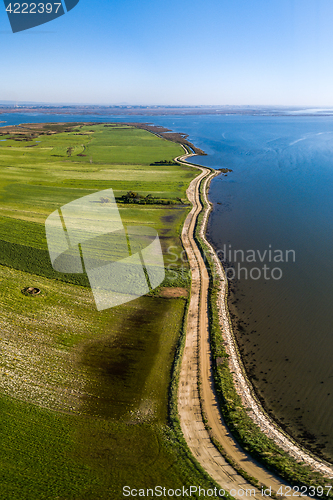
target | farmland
x=85, y=394
x=42, y=174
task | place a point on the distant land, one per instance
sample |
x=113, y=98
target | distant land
x=10, y=107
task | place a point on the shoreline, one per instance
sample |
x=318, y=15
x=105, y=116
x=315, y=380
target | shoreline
x=213, y=424
x=242, y=384
x=200, y=415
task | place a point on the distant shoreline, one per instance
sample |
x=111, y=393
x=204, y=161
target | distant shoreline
x=132, y=110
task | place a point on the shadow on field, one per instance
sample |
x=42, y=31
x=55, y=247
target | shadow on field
x=119, y=365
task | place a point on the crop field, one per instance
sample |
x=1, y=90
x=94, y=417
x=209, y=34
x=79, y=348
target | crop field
x=44, y=173
x=84, y=395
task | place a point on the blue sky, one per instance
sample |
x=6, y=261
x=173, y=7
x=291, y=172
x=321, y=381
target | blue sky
x=185, y=52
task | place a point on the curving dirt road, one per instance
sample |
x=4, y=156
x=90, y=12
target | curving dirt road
x=189, y=409
x=198, y=348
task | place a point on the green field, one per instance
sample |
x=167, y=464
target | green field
x=38, y=176
x=84, y=395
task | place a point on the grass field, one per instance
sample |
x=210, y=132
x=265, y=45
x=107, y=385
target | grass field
x=38, y=176
x=84, y=394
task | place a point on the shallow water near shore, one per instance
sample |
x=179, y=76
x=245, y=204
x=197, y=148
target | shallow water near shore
x=277, y=197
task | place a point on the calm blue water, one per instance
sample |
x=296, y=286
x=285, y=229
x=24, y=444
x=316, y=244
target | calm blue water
x=278, y=197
